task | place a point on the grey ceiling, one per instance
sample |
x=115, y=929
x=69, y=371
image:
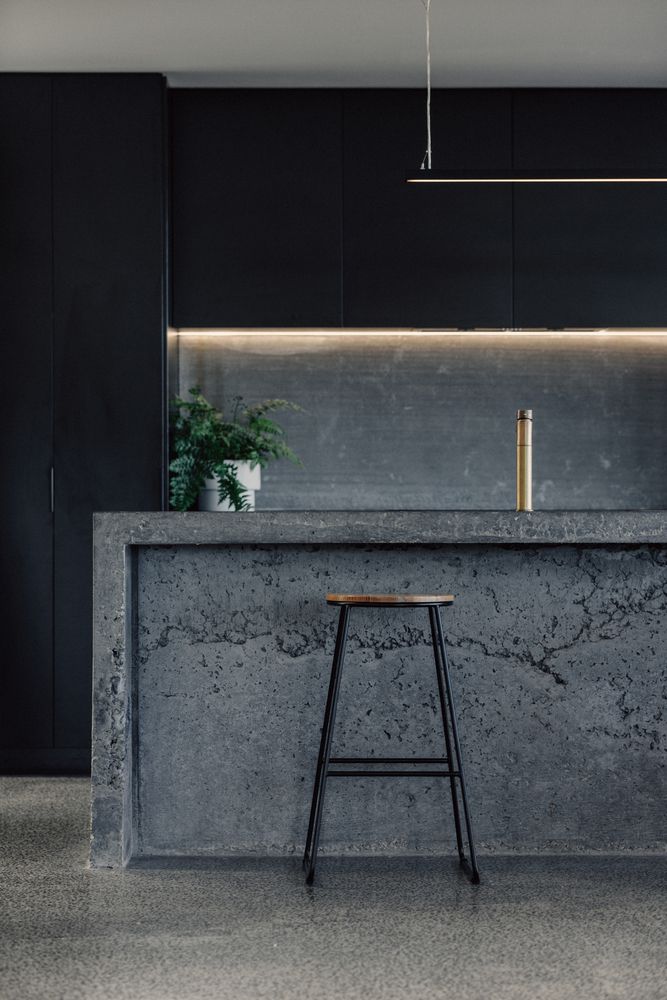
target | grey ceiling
x=373, y=43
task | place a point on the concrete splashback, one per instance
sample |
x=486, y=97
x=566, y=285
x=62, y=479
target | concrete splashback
x=427, y=421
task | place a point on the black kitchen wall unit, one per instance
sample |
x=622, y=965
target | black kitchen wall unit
x=290, y=208
x=590, y=255
x=256, y=204
x=83, y=255
x=425, y=255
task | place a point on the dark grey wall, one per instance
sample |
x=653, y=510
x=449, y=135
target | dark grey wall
x=428, y=421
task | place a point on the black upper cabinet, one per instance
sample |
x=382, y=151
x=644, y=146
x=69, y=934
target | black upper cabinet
x=426, y=255
x=591, y=255
x=291, y=208
x=256, y=203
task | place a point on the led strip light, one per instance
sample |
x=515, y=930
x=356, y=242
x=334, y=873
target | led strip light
x=336, y=332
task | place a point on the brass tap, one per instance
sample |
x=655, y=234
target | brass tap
x=524, y=459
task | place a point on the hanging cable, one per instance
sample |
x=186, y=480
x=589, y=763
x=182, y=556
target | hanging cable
x=427, y=155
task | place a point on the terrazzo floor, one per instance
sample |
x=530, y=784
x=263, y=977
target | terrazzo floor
x=539, y=928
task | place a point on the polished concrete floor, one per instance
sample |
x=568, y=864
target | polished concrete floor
x=540, y=928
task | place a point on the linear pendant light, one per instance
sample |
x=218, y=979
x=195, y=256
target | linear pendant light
x=426, y=174
x=431, y=177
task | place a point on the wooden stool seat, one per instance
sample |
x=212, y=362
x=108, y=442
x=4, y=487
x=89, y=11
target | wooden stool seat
x=392, y=600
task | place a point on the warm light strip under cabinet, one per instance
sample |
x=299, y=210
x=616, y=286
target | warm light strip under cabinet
x=343, y=332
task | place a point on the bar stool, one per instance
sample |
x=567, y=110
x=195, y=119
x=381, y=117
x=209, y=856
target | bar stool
x=367, y=767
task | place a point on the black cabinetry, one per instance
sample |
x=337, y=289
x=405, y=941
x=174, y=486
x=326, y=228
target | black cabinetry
x=256, y=199
x=83, y=256
x=591, y=255
x=290, y=208
x=26, y=522
x=426, y=255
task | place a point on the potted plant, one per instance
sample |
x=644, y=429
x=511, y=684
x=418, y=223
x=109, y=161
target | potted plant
x=217, y=461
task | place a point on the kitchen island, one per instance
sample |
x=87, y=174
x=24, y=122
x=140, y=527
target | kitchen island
x=212, y=651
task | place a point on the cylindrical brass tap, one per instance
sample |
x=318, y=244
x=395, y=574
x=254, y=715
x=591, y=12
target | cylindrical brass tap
x=524, y=460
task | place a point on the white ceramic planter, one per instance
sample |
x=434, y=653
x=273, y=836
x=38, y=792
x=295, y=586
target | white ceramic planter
x=250, y=478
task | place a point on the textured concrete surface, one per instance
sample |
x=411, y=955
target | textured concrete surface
x=370, y=527
x=428, y=421
x=549, y=928
x=559, y=664
x=559, y=659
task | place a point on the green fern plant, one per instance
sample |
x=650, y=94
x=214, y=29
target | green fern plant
x=204, y=441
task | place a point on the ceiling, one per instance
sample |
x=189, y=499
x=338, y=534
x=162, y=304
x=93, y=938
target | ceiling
x=332, y=43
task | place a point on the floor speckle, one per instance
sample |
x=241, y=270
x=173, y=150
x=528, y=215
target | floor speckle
x=538, y=928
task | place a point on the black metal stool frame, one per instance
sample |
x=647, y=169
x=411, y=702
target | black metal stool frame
x=348, y=767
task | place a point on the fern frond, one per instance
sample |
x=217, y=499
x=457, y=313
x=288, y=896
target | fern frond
x=203, y=440
x=230, y=489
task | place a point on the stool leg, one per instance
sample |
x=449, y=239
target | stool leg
x=449, y=719
x=448, y=742
x=315, y=822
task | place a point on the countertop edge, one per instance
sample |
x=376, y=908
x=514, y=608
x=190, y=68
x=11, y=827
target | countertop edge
x=383, y=528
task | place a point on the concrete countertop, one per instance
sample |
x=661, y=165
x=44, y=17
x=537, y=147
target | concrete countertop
x=393, y=527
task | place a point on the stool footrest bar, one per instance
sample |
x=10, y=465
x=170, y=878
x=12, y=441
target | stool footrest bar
x=388, y=760
x=357, y=773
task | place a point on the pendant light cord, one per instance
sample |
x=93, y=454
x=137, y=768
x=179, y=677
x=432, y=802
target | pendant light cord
x=426, y=162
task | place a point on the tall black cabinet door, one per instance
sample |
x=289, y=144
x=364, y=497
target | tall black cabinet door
x=25, y=443
x=591, y=255
x=425, y=255
x=109, y=342
x=256, y=202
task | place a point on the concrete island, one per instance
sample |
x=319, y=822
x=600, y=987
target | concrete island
x=212, y=649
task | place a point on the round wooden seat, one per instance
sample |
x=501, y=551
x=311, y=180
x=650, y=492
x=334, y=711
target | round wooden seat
x=392, y=600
